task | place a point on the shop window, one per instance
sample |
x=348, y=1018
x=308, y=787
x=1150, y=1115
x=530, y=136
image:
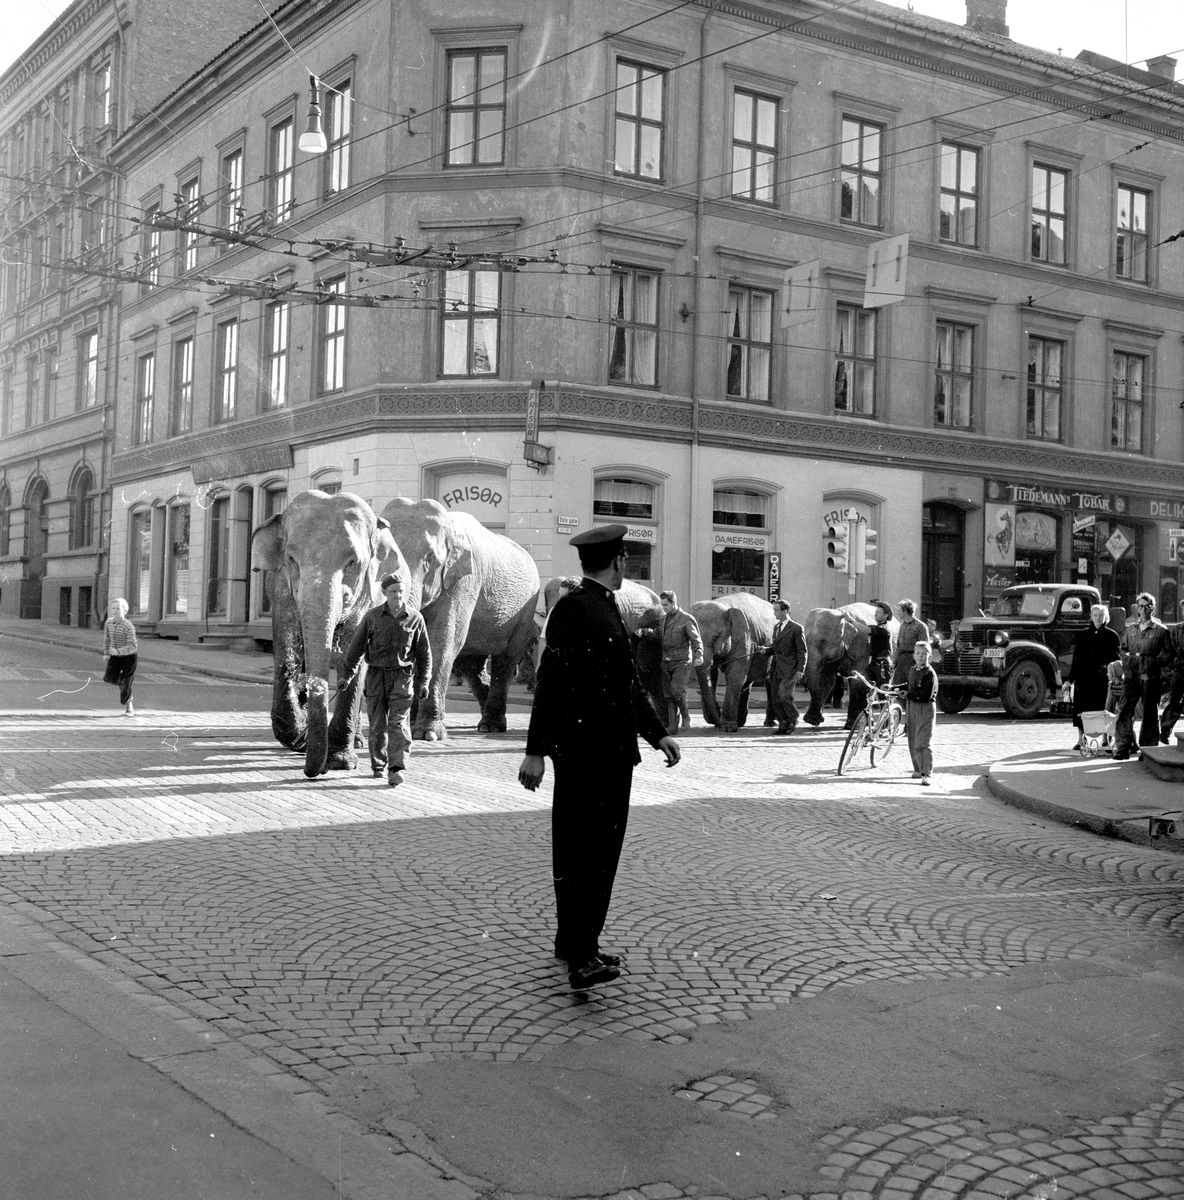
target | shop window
x=1045, y=359
x=1126, y=398
x=740, y=542
x=471, y=321
x=139, y=563
x=476, y=115
x=632, y=502
x=218, y=576
x=1036, y=540
x=177, y=565
x=481, y=492
x=750, y=343
x=640, y=116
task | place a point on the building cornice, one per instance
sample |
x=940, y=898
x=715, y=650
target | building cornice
x=65, y=29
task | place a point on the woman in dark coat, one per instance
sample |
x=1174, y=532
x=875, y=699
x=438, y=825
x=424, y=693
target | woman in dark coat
x=1096, y=647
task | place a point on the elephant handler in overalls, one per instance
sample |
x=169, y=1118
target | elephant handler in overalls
x=682, y=649
x=394, y=640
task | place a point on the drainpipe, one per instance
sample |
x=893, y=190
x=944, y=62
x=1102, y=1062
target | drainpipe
x=693, y=482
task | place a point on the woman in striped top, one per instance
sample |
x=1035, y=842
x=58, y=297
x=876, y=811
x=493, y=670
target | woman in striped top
x=120, y=646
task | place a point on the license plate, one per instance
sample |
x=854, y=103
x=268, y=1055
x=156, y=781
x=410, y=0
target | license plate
x=994, y=652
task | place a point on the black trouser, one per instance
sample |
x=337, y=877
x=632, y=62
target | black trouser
x=1136, y=687
x=1174, y=707
x=589, y=813
x=121, y=669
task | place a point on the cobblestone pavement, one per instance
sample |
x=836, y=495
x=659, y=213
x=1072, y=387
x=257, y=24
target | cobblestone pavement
x=337, y=924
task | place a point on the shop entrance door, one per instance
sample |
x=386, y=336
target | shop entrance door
x=942, y=556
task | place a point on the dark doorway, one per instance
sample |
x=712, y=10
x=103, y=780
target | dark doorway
x=36, y=541
x=943, y=546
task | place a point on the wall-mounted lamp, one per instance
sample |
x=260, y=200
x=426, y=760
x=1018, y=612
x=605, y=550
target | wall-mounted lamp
x=683, y=311
x=313, y=140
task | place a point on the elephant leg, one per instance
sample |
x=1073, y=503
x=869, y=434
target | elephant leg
x=819, y=684
x=737, y=685
x=706, y=680
x=316, y=754
x=469, y=668
x=429, y=712
x=493, y=711
x=742, y=706
x=341, y=728
x=770, y=701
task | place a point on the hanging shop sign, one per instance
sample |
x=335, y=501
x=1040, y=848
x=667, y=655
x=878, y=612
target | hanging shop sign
x=774, y=575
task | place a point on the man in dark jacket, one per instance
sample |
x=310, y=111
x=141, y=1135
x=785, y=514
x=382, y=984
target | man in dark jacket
x=1147, y=653
x=787, y=664
x=677, y=635
x=1175, y=705
x=589, y=707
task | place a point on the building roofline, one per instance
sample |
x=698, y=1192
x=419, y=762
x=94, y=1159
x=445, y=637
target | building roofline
x=49, y=42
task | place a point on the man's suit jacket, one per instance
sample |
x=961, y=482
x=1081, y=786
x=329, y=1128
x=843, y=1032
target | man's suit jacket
x=588, y=701
x=788, y=650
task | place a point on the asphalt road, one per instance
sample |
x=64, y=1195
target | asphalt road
x=834, y=986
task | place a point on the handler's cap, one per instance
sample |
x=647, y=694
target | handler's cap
x=387, y=580
x=600, y=535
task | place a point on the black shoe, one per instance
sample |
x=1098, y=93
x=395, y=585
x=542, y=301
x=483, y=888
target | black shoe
x=591, y=973
x=378, y=772
x=1122, y=755
x=609, y=960
x=394, y=778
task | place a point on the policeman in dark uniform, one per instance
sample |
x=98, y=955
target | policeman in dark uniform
x=589, y=707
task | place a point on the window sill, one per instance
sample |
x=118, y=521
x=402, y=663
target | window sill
x=854, y=416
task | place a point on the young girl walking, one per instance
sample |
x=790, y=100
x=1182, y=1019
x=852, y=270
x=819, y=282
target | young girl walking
x=120, y=646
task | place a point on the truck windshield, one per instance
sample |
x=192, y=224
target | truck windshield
x=1023, y=604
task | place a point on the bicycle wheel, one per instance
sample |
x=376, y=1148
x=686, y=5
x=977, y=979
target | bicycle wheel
x=855, y=742
x=888, y=732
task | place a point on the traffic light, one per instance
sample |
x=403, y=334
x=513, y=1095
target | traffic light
x=865, y=549
x=838, y=547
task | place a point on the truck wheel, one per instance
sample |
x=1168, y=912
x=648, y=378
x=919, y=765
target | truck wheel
x=954, y=700
x=1024, y=689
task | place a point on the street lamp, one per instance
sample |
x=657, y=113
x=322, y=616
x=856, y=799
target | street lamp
x=312, y=140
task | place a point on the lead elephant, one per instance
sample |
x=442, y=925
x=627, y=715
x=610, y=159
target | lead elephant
x=735, y=630
x=323, y=553
x=836, y=645
x=640, y=608
x=477, y=591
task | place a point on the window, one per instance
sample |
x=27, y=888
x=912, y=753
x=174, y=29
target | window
x=632, y=501
x=640, y=113
x=5, y=513
x=49, y=390
x=340, y=113
x=218, y=583
x=150, y=249
x=954, y=391
x=633, y=313
x=104, y=100
x=1126, y=419
x=33, y=389
x=1049, y=189
x=226, y=374
x=6, y=402
x=181, y=416
x=190, y=203
x=280, y=182
x=140, y=563
x=94, y=227
x=278, y=317
x=959, y=194
x=472, y=324
x=855, y=360
x=476, y=114
x=754, y=146
x=231, y=215
x=176, y=600
x=740, y=541
x=750, y=343
x=88, y=370
x=82, y=510
x=859, y=200
x=275, y=500
x=1131, y=248
x=145, y=390
x=1044, y=388
x=332, y=339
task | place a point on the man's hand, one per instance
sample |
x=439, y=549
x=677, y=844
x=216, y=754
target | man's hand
x=530, y=773
x=696, y=663
x=669, y=747
x=423, y=691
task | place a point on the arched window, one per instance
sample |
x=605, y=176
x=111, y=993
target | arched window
x=5, y=506
x=621, y=498
x=327, y=480
x=740, y=540
x=82, y=510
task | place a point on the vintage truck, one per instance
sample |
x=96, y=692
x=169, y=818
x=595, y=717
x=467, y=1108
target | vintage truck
x=1020, y=651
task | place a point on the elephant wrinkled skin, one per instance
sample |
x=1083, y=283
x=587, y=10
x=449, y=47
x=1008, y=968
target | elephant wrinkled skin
x=477, y=591
x=324, y=554
x=836, y=645
x=735, y=630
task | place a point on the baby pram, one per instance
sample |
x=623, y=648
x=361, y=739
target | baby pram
x=1097, y=733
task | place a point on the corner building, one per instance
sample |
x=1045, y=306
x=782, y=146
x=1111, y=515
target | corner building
x=607, y=263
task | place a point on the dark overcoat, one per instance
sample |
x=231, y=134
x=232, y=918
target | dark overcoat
x=1093, y=652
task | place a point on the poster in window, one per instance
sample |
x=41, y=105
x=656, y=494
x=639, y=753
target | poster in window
x=999, y=541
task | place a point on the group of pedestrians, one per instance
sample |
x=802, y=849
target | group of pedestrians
x=1121, y=673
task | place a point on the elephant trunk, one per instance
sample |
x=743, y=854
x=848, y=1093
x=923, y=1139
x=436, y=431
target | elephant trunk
x=320, y=613
x=707, y=694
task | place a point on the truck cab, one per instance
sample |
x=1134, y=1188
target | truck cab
x=1020, y=651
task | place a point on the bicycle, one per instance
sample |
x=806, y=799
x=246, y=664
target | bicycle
x=877, y=727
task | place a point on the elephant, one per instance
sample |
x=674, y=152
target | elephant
x=640, y=608
x=735, y=630
x=836, y=645
x=477, y=590
x=324, y=553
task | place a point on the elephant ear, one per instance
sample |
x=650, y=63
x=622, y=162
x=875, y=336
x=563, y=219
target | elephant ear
x=386, y=553
x=458, y=562
x=268, y=543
